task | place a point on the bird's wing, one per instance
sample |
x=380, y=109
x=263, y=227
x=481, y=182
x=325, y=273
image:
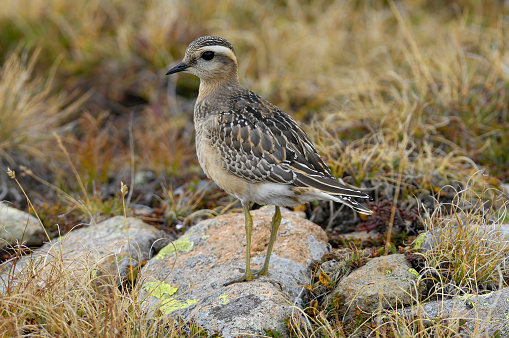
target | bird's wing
x=261, y=143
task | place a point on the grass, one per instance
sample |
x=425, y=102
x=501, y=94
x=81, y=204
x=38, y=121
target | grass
x=440, y=92
x=465, y=260
x=407, y=100
x=28, y=108
x=53, y=302
x=467, y=248
x=41, y=295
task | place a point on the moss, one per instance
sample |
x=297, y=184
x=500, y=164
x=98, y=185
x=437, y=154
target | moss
x=164, y=291
x=172, y=305
x=419, y=240
x=182, y=245
x=159, y=289
x=225, y=299
x=414, y=272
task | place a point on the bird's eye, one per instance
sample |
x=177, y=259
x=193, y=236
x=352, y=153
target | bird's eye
x=208, y=55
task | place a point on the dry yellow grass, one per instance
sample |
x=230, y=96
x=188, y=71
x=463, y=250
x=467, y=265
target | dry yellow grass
x=467, y=259
x=359, y=68
x=57, y=303
x=469, y=242
x=29, y=111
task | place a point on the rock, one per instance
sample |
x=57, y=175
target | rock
x=336, y=269
x=339, y=267
x=141, y=210
x=100, y=249
x=491, y=239
x=389, y=279
x=505, y=188
x=363, y=236
x=494, y=234
x=17, y=226
x=481, y=315
x=144, y=177
x=189, y=284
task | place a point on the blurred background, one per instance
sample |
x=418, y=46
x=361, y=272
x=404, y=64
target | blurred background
x=407, y=99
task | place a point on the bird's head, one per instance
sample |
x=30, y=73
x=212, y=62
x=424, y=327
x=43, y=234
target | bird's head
x=210, y=58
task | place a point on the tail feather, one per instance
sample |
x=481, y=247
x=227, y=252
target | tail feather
x=328, y=185
x=334, y=189
x=360, y=208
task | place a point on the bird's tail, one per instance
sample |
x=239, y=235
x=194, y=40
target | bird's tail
x=349, y=201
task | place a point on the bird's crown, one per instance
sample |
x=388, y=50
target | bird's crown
x=206, y=41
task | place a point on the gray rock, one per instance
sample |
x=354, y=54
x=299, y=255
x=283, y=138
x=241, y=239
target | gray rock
x=505, y=188
x=387, y=279
x=141, y=210
x=185, y=280
x=363, y=236
x=495, y=235
x=482, y=315
x=17, y=226
x=144, y=177
x=492, y=238
x=99, y=249
x=338, y=268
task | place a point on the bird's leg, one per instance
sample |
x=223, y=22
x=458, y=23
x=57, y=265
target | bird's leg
x=276, y=221
x=249, y=229
x=247, y=276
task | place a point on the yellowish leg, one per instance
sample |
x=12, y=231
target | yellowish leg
x=247, y=276
x=276, y=221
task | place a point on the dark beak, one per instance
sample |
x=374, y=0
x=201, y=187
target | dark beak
x=178, y=68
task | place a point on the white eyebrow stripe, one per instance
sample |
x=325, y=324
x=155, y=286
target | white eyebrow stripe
x=220, y=50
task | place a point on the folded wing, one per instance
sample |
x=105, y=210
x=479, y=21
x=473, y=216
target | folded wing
x=261, y=143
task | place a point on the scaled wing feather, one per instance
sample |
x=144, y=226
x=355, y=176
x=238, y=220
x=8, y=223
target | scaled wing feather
x=261, y=143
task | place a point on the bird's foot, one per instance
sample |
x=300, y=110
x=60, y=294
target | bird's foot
x=244, y=278
x=247, y=276
x=262, y=272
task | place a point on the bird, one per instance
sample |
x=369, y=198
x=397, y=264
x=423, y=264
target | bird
x=252, y=149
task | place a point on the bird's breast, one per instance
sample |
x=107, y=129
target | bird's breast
x=211, y=163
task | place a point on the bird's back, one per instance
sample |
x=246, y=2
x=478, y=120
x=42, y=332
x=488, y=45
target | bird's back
x=259, y=142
